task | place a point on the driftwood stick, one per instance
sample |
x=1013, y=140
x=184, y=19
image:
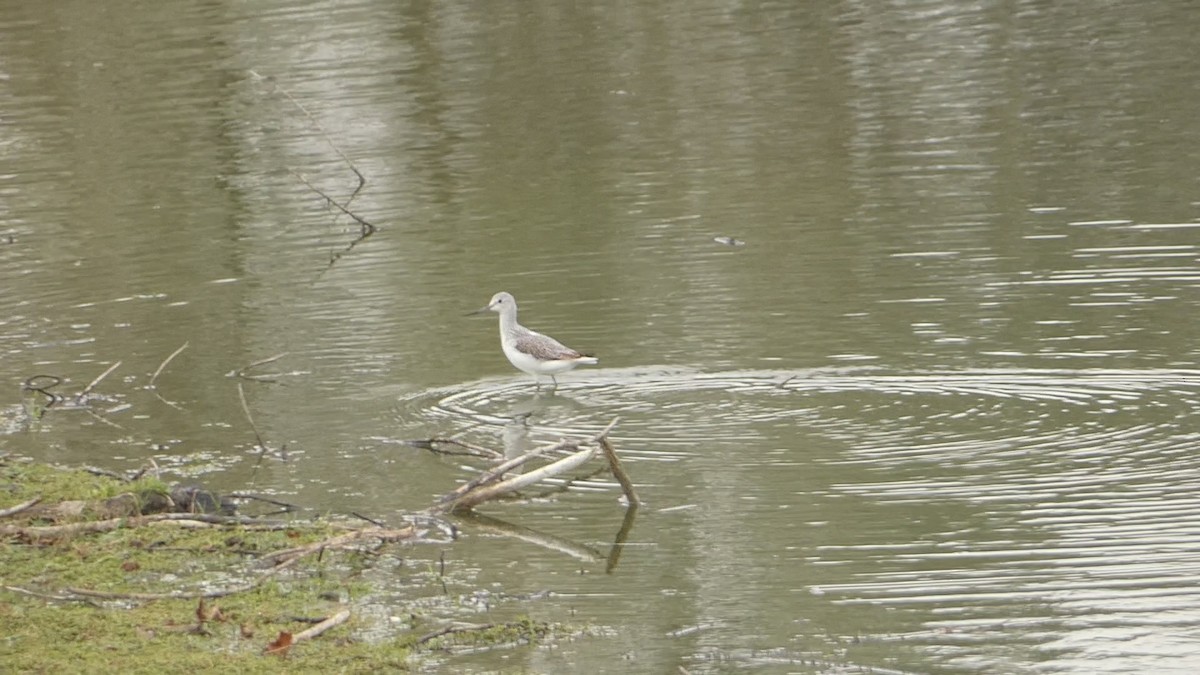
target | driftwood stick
x=497, y=472
x=310, y=633
x=166, y=361
x=486, y=492
x=619, y=472
x=484, y=487
x=18, y=508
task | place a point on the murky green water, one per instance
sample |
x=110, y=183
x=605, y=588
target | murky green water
x=937, y=414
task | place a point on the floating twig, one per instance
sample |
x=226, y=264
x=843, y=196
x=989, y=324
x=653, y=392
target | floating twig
x=244, y=374
x=472, y=450
x=167, y=360
x=92, y=385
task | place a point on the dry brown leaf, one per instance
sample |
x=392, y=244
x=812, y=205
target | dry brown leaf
x=247, y=630
x=281, y=644
x=130, y=566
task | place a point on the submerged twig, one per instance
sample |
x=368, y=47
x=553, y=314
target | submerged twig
x=366, y=228
x=103, y=419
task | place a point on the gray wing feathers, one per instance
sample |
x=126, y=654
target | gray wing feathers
x=543, y=347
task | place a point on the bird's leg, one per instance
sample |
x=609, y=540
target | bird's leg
x=555, y=381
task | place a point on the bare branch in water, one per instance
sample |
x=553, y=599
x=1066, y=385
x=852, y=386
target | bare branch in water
x=366, y=228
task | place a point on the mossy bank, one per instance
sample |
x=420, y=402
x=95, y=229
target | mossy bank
x=94, y=592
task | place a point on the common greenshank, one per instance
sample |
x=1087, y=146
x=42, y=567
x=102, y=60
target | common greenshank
x=529, y=350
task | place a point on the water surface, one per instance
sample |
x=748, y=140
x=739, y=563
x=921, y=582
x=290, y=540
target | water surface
x=936, y=415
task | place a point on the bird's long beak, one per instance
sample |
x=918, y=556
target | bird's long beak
x=481, y=310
